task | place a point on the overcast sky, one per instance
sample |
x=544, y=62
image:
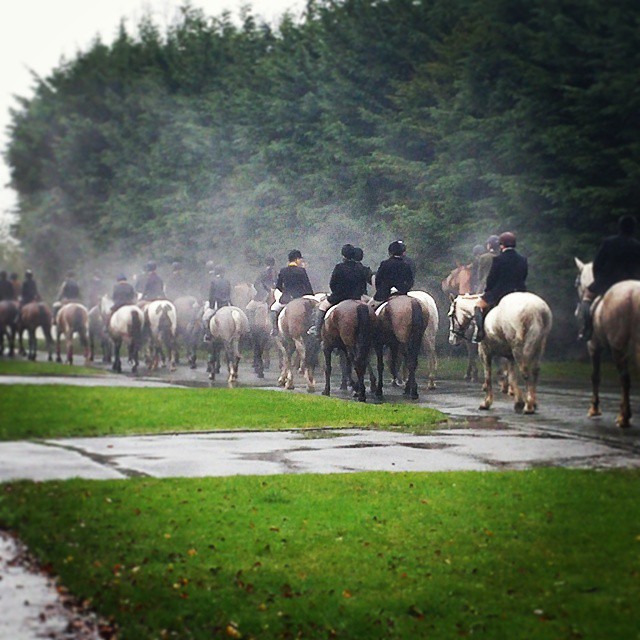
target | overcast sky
x=36, y=34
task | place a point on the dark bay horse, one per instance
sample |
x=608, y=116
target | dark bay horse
x=190, y=329
x=33, y=316
x=72, y=318
x=9, y=312
x=125, y=326
x=293, y=323
x=400, y=325
x=260, y=334
x=348, y=326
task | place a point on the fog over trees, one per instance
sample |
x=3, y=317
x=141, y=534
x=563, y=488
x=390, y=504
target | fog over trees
x=436, y=121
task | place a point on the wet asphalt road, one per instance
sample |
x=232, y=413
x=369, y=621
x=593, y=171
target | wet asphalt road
x=559, y=434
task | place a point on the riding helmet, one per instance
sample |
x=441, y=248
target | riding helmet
x=493, y=242
x=508, y=239
x=347, y=251
x=358, y=254
x=397, y=248
x=150, y=266
x=478, y=250
x=121, y=277
x=295, y=254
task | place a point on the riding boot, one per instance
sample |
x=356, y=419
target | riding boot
x=478, y=334
x=318, y=319
x=274, y=322
x=584, y=335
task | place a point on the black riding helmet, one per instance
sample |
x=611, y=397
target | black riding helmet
x=347, y=251
x=295, y=255
x=508, y=239
x=397, y=248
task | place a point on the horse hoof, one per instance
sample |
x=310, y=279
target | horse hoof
x=325, y=392
x=260, y=375
x=623, y=423
x=484, y=407
x=529, y=412
x=518, y=407
x=593, y=412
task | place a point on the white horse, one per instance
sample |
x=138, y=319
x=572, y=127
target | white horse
x=429, y=335
x=517, y=329
x=125, y=326
x=616, y=325
x=161, y=325
x=227, y=326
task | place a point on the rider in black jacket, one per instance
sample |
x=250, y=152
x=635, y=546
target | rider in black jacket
x=347, y=283
x=508, y=274
x=395, y=272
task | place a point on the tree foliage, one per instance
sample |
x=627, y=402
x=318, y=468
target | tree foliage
x=439, y=121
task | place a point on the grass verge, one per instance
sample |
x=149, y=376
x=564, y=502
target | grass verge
x=28, y=368
x=549, y=553
x=46, y=411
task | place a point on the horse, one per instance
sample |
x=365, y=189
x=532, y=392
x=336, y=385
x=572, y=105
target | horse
x=458, y=282
x=429, y=335
x=348, y=326
x=34, y=315
x=9, y=312
x=260, y=334
x=242, y=294
x=227, y=326
x=126, y=325
x=293, y=323
x=98, y=319
x=160, y=326
x=72, y=318
x=189, y=329
x=400, y=325
x=616, y=325
x=517, y=329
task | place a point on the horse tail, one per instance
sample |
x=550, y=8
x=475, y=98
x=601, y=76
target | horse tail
x=136, y=329
x=417, y=329
x=363, y=331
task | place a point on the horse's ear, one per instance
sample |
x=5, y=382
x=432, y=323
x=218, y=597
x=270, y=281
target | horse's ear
x=451, y=297
x=458, y=263
x=579, y=263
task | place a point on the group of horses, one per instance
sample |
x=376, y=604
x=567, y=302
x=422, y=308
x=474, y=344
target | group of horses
x=516, y=332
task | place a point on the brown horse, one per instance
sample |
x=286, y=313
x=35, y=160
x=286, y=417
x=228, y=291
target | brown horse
x=348, y=326
x=458, y=283
x=9, y=312
x=72, y=318
x=242, y=294
x=293, y=323
x=400, y=325
x=33, y=316
x=616, y=325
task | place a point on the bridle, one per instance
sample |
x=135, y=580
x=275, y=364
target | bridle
x=455, y=328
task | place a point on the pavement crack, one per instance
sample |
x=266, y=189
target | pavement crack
x=108, y=461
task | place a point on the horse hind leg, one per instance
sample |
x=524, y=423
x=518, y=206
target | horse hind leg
x=623, y=419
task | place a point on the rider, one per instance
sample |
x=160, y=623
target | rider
x=492, y=246
x=394, y=272
x=477, y=286
x=123, y=293
x=508, y=273
x=219, y=296
x=69, y=291
x=266, y=281
x=153, y=287
x=292, y=282
x=29, y=289
x=617, y=259
x=6, y=288
x=16, y=284
x=347, y=282
x=358, y=255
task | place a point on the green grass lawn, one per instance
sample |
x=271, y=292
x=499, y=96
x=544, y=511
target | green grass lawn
x=19, y=367
x=44, y=411
x=549, y=553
